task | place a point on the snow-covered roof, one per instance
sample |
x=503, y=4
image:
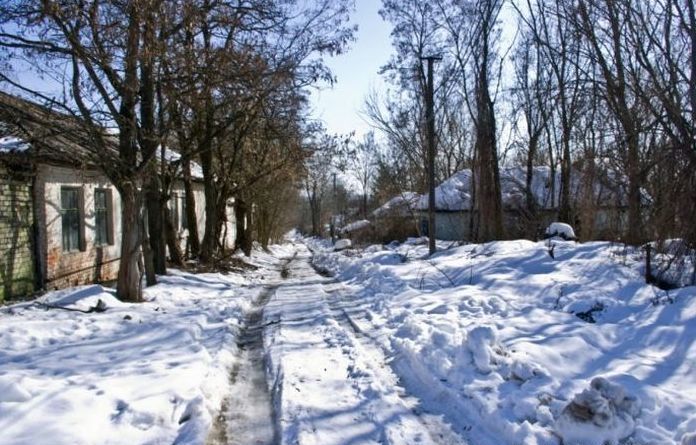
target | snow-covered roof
x=356, y=225
x=401, y=205
x=173, y=156
x=454, y=194
x=11, y=144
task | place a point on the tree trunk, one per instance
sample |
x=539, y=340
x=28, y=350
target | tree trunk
x=209, y=244
x=635, y=222
x=490, y=209
x=364, y=205
x=155, y=224
x=194, y=244
x=175, y=255
x=531, y=198
x=128, y=285
x=315, y=210
x=243, y=241
x=564, y=211
x=148, y=256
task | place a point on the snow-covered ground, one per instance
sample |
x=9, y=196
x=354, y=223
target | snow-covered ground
x=526, y=348
x=481, y=344
x=331, y=384
x=150, y=373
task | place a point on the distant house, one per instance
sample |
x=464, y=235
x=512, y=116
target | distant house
x=600, y=204
x=398, y=218
x=60, y=217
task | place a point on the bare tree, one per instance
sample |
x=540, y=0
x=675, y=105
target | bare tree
x=532, y=100
x=473, y=35
x=360, y=160
x=321, y=151
x=247, y=62
x=104, y=54
x=607, y=50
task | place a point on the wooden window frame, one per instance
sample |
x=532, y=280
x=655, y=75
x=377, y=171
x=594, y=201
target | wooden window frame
x=81, y=247
x=108, y=211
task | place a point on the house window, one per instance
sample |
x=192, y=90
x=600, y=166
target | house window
x=179, y=212
x=102, y=217
x=71, y=218
x=183, y=219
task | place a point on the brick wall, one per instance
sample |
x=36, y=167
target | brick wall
x=91, y=263
x=16, y=253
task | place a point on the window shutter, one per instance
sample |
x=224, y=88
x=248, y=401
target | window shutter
x=109, y=217
x=81, y=215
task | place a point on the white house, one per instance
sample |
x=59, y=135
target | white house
x=60, y=217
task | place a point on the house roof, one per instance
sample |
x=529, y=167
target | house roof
x=400, y=205
x=455, y=194
x=45, y=133
x=28, y=129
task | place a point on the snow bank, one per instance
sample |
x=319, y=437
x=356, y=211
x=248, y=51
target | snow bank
x=453, y=194
x=480, y=342
x=154, y=372
x=356, y=226
x=400, y=205
x=342, y=244
x=497, y=328
x=11, y=391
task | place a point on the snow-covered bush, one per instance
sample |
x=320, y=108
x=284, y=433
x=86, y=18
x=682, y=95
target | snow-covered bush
x=561, y=230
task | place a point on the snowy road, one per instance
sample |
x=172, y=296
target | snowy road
x=305, y=374
x=331, y=383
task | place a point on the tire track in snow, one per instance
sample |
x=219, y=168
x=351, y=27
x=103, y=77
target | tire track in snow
x=372, y=356
x=247, y=416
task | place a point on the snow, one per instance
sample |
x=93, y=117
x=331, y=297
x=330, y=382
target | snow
x=598, y=415
x=455, y=193
x=400, y=205
x=479, y=344
x=173, y=156
x=493, y=327
x=562, y=230
x=11, y=144
x=137, y=373
x=342, y=244
x=356, y=226
x=334, y=385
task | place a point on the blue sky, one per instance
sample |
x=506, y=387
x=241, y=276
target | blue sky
x=356, y=71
